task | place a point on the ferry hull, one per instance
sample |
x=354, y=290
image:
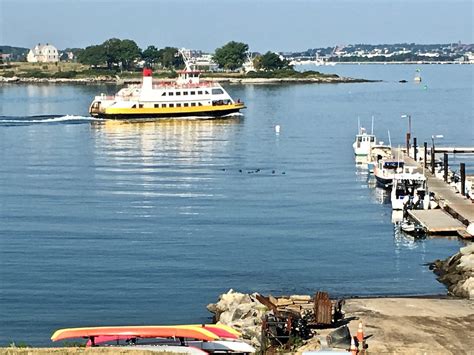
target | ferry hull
x=132, y=116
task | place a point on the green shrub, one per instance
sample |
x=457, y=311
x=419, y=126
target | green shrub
x=21, y=344
x=98, y=72
x=65, y=74
x=73, y=344
x=8, y=74
x=35, y=73
x=289, y=73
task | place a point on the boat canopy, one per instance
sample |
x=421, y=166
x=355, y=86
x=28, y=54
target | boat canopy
x=393, y=164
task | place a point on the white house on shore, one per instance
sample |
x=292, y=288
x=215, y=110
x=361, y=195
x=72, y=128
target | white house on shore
x=43, y=53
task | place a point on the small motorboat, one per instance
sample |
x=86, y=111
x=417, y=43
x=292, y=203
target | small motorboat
x=378, y=152
x=409, y=191
x=409, y=227
x=385, y=170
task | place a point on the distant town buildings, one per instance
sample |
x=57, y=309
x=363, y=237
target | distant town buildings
x=5, y=56
x=43, y=53
x=403, y=52
x=200, y=60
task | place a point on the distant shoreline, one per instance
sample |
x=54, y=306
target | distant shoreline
x=387, y=63
x=227, y=80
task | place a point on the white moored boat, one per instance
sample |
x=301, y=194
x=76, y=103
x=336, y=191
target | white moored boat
x=385, y=170
x=378, y=152
x=363, y=143
x=409, y=191
x=186, y=96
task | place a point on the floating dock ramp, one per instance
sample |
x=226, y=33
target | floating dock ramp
x=437, y=222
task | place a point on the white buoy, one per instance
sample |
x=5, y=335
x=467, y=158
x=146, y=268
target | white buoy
x=277, y=129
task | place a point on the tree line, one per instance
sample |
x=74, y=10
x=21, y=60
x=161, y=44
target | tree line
x=125, y=54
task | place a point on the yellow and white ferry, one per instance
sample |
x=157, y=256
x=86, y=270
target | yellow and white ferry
x=186, y=96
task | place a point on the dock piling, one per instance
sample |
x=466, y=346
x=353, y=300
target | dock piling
x=415, y=148
x=432, y=160
x=408, y=143
x=462, y=171
x=445, y=167
x=425, y=157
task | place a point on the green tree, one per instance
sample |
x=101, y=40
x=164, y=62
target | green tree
x=151, y=55
x=112, y=49
x=232, y=55
x=257, y=62
x=128, y=53
x=92, y=55
x=170, y=58
x=271, y=61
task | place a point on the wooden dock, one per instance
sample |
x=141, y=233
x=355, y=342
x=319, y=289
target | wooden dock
x=456, y=212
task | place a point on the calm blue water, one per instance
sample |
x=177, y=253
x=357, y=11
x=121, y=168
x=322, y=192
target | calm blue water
x=110, y=223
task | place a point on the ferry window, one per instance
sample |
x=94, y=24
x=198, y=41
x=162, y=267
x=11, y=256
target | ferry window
x=192, y=93
x=372, y=139
x=178, y=93
x=134, y=106
x=157, y=105
x=359, y=139
x=200, y=92
x=207, y=92
x=217, y=92
x=163, y=94
x=200, y=104
x=193, y=104
x=163, y=105
x=140, y=105
x=178, y=105
x=185, y=104
x=185, y=92
x=171, y=105
x=170, y=93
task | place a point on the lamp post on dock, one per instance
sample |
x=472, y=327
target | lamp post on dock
x=408, y=133
x=433, y=152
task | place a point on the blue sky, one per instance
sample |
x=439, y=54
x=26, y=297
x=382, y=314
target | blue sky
x=281, y=25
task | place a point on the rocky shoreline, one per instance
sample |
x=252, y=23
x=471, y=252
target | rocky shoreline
x=457, y=272
x=228, y=80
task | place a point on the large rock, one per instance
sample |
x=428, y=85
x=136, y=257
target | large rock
x=468, y=249
x=242, y=312
x=457, y=272
x=470, y=229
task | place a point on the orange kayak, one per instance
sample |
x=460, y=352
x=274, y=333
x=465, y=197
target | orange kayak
x=189, y=332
